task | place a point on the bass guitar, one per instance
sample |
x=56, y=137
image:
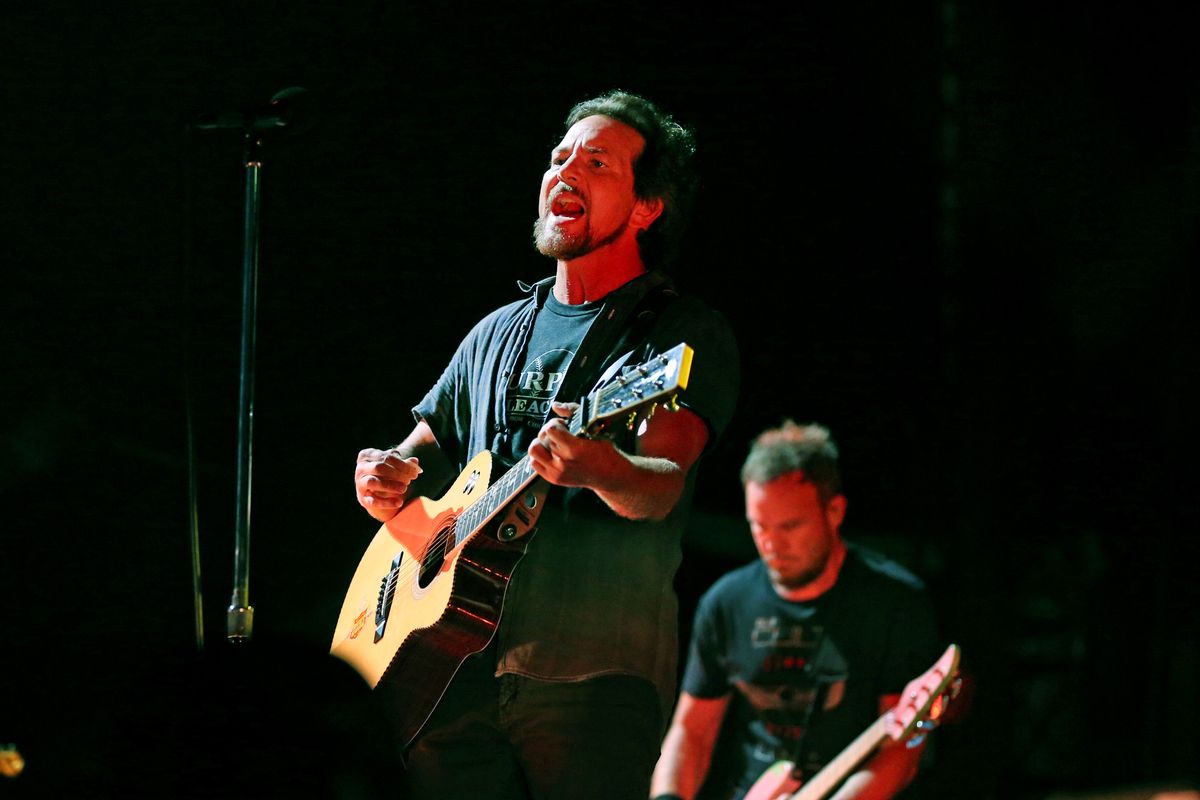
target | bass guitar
x=429, y=589
x=921, y=705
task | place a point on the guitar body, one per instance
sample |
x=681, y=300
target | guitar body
x=418, y=605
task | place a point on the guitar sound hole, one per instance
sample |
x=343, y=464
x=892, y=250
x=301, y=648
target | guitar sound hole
x=431, y=565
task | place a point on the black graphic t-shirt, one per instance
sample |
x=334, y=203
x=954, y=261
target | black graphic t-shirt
x=594, y=594
x=868, y=636
x=556, y=336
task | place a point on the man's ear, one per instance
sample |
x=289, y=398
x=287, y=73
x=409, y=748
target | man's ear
x=645, y=212
x=835, y=511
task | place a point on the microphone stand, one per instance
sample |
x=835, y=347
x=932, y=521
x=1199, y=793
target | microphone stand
x=282, y=111
x=239, y=618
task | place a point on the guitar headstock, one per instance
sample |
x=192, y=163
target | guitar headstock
x=925, y=698
x=636, y=393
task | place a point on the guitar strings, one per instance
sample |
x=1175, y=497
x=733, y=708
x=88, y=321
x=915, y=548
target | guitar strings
x=437, y=542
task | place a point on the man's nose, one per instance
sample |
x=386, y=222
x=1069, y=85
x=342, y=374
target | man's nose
x=568, y=171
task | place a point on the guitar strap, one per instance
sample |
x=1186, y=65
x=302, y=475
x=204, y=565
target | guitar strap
x=800, y=750
x=648, y=311
x=813, y=712
x=609, y=333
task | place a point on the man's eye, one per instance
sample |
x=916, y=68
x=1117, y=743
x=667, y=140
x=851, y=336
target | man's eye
x=598, y=163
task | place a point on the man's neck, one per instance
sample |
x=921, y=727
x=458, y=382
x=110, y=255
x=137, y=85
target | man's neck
x=820, y=584
x=592, y=277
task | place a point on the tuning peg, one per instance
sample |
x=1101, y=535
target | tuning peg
x=920, y=731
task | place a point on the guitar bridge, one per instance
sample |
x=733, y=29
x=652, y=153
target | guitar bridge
x=387, y=593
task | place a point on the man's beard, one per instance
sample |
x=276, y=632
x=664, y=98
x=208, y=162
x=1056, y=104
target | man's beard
x=554, y=243
x=806, y=577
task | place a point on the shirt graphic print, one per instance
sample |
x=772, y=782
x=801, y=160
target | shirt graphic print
x=532, y=389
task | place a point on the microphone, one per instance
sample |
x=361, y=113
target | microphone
x=287, y=109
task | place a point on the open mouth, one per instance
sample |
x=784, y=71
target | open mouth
x=565, y=204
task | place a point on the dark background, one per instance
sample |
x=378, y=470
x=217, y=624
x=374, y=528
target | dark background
x=962, y=235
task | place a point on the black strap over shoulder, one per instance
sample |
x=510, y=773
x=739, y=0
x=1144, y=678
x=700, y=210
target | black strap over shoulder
x=616, y=331
x=823, y=681
x=644, y=315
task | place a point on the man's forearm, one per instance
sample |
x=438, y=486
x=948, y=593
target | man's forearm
x=681, y=767
x=881, y=778
x=647, y=488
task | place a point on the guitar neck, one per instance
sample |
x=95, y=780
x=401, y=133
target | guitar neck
x=498, y=495
x=827, y=779
x=625, y=396
x=505, y=490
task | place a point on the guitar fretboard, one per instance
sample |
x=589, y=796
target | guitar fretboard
x=503, y=491
x=498, y=495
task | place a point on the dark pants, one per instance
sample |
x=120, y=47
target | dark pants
x=517, y=738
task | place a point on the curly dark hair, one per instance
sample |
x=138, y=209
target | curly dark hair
x=664, y=169
x=791, y=447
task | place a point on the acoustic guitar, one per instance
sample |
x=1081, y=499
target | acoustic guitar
x=429, y=589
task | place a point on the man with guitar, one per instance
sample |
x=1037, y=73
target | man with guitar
x=566, y=694
x=795, y=654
